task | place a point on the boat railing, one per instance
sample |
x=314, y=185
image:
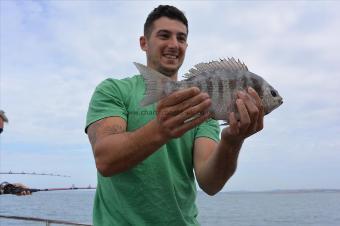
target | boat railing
x=48, y=222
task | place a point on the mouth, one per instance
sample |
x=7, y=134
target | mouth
x=170, y=56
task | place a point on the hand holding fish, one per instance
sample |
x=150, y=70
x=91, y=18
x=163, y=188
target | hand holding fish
x=251, y=114
x=176, y=111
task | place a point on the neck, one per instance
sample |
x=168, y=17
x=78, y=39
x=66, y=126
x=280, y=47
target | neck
x=173, y=77
x=170, y=75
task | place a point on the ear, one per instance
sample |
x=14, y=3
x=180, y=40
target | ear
x=143, y=43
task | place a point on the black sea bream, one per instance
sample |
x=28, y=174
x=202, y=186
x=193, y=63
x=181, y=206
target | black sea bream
x=219, y=79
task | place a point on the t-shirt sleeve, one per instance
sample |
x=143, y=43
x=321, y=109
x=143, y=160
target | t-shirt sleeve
x=107, y=101
x=210, y=129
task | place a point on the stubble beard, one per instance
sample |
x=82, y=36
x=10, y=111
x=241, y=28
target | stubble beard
x=168, y=72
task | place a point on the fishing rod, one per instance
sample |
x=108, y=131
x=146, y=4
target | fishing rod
x=34, y=173
x=7, y=188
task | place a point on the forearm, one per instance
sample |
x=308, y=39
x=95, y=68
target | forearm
x=116, y=150
x=219, y=167
x=120, y=152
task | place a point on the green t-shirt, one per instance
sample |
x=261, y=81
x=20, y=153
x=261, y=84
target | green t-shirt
x=160, y=190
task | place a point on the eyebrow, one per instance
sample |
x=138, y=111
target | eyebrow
x=167, y=31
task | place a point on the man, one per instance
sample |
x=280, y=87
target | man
x=3, y=119
x=146, y=157
x=23, y=188
x=14, y=189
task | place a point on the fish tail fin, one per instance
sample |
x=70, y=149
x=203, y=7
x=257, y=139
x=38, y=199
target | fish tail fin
x=154, y=84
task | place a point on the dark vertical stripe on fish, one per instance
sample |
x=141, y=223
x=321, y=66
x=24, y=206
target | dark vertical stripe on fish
x=220, y=91
x=232, y=84
x=199, y=85
x=210, y=87
x=257, y=86
x=243, y=82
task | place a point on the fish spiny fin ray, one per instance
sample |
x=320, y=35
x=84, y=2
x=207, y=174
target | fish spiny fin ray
x=229, y=64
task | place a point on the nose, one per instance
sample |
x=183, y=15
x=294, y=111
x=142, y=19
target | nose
x=173, y=42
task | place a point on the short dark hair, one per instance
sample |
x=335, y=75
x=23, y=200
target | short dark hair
x=167, y=11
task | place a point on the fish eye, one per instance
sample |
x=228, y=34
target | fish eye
x=273, y=93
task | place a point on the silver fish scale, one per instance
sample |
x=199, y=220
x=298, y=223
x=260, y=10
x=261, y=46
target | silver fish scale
x=221, y=85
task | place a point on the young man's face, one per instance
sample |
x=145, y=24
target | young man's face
x=166, y=46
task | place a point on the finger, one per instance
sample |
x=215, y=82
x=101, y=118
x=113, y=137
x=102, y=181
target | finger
x=179, y=96
x=255, y=96
x=189, y=113
x=260, y=106
x=167, y=108
x=248, y=100
x=234, y=130
x=176, y=109
x=252, y=109
x=244, y=116
x=164, y=114
x=191, y=124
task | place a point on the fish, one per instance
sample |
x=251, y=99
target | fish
x=220, y=79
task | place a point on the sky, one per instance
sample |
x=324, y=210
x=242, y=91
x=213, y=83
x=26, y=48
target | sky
x=54, y=53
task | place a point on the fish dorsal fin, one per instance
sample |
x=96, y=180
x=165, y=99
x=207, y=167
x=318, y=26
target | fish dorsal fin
x=229, y=64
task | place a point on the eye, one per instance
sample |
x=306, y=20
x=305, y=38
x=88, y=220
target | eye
x=182, y=38
x=164, y=36
x=273, y=93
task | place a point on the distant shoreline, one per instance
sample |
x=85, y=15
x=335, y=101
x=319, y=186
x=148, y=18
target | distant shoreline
x=274, y=191
x=286, y=191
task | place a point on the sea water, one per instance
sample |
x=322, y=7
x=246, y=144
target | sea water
x=226, y=208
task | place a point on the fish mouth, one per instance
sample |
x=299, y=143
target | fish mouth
x=280, y=101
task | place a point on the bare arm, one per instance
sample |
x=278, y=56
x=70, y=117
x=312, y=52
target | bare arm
x=116, y=150
x=216, y=163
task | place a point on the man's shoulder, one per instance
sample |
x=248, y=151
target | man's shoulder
x=110, y=83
